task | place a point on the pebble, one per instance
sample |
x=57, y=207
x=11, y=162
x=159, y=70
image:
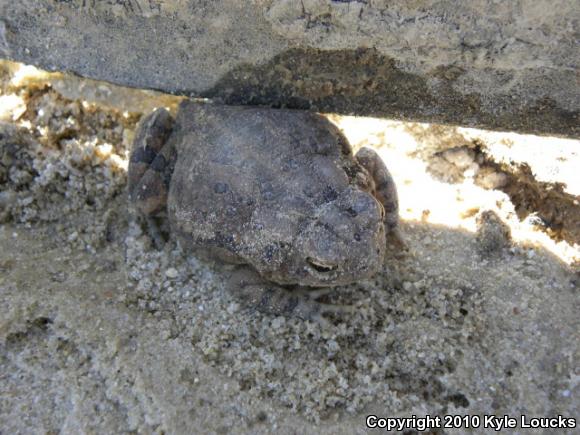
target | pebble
x=234, y=307
x=171, y=273
x=278, y=322
x=492, y=180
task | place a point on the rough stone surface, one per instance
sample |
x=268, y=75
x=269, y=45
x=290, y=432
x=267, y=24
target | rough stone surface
x=507, y=65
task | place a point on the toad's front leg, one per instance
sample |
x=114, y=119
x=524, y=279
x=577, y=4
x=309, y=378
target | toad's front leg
x=150, y=168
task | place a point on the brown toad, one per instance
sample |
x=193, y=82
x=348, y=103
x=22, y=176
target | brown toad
x=278, y=190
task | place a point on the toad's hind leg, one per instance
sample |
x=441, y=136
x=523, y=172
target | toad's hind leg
x=270, y=298
x=150, y=168
x=384, y=189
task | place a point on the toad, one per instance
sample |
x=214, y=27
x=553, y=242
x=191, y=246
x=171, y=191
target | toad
x=277, y=193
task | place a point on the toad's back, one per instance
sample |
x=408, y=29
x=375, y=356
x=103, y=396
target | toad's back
x=242, y=171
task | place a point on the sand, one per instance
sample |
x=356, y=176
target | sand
x=102, y=333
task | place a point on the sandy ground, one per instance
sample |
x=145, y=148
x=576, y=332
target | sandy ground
x=101, y=333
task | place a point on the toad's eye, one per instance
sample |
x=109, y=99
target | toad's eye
x=352, y=212
x=363, y=180
x=350, y=171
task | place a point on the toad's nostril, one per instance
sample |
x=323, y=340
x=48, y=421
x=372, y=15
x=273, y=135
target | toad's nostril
x=352, y=212
x=321, y=266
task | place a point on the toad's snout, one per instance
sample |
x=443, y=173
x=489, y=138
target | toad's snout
x=345, y=242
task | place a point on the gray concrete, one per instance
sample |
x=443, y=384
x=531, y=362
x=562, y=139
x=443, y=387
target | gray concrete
x=507, y=65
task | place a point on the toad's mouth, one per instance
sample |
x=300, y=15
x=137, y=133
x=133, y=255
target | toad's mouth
x=321, y=266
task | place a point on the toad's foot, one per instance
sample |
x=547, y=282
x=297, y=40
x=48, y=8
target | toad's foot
x=273, y=299
x=398, y=240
